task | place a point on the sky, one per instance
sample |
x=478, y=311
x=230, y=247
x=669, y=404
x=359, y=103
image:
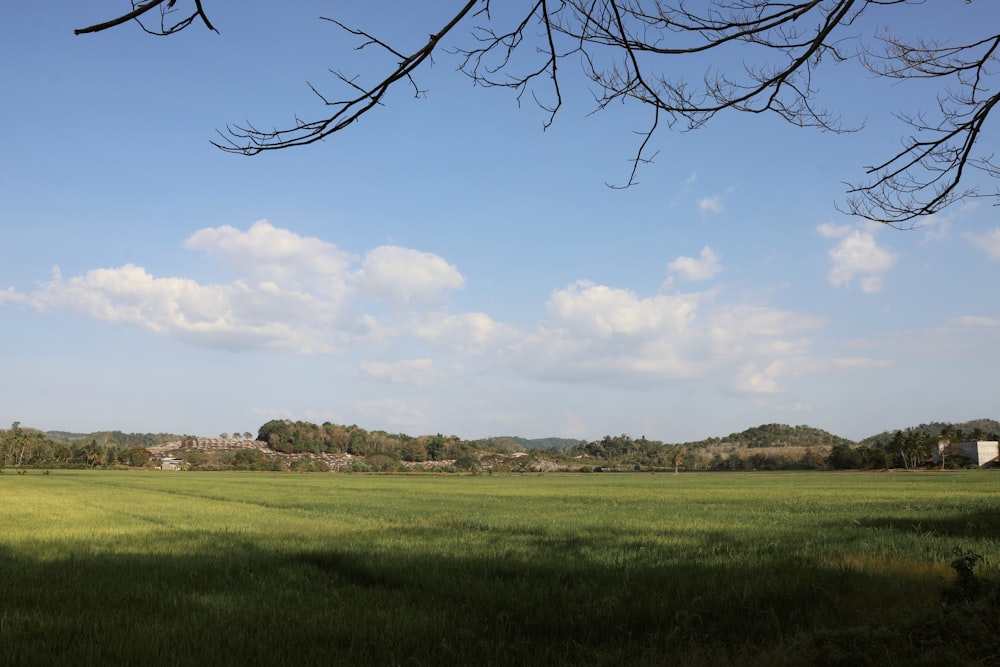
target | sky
x=448, y=264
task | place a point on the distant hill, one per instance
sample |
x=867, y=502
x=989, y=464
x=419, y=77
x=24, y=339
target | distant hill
x=974, y=429
x=763, y=436
x=514, y=443
x=113, y=438
x=776, y=435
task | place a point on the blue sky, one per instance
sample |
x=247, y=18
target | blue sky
x=446, y=265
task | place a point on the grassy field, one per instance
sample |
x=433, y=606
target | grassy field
x=130, y=568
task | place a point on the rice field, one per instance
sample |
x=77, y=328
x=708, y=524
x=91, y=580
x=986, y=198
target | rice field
x=164, y=568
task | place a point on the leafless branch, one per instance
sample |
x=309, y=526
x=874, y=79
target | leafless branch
x=925, y=176
x=249, y=140
x=140, y=8
x=759, y=56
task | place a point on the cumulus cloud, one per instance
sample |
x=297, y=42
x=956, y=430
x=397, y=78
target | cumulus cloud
x=704, y=267
x=402, y=275
x=604, y=312
x=295, y=293
x=323, y=300
x=596, y=333
x=857, y=255
x=232, y=315
x=466, y=333
x=988, y=241
x=278, y=254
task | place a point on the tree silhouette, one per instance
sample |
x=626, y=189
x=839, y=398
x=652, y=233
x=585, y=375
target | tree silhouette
x=629, y=49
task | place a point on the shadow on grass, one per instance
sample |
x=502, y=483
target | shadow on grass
x=236, y=604
x=964, y=525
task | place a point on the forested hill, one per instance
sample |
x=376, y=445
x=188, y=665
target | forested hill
x=113, y=438
x=776, y=435
x=515, y=443
x=765, y=435
x=974, y=429
x=284, y=444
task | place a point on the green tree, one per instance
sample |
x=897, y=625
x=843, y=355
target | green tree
x=94, y=455
x=874, y=458
x=337, y=438
x=915, y=448
x=677, y=458
x=414, y=450
x=437, y=448
x=358, y=444
x=277, y=433
x=468, y=460
x=61, y=453
x=137, y=456
x=195, y=458
x=843, y=457
x=17, y=444
x=249, y=458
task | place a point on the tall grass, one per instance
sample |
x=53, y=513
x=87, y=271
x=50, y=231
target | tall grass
x=231, y=568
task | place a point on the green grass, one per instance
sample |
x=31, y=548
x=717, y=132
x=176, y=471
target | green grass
x=167, y=568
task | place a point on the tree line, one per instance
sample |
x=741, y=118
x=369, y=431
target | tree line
x=302, y=446
x=30, y=448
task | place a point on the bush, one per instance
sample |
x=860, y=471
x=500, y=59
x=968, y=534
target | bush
x=467, y=461
x=382, y=463
x=357, y=465
x=300, y=465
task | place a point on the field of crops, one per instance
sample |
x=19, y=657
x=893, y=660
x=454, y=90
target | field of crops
x=130, y=568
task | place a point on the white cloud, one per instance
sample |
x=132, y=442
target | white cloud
x=403, y=276
x=12, y=295
x=711, y=204
x=829, y=230
x=277, y=254
x=467, y=333
x=234, y=315
x=596, y=333
x=293, y=293
x=591, y=333
x=408, y=371
x=740, y=321
x=752, y=379
x=605, y=312
x=857, y=255
x=988, y=241
x=978, y=321
x=705, y=267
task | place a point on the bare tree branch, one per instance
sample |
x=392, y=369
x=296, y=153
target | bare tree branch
x=140, y=8
x=759, y=56
x=925, y=175
x=249, y=140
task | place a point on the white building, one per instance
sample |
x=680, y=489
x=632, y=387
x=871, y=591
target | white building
x=981, y=452
x=169, y=463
